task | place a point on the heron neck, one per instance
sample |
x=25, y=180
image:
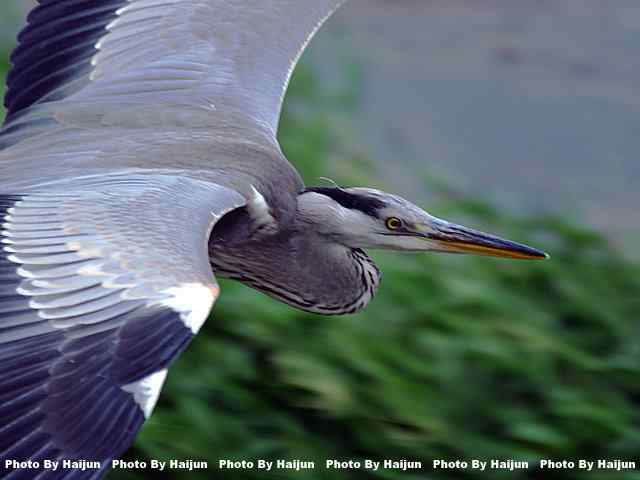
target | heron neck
x=304, y=271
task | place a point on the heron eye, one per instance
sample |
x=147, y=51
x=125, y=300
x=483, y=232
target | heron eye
x=393, y=223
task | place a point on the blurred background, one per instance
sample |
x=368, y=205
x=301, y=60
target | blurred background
x=516, y=117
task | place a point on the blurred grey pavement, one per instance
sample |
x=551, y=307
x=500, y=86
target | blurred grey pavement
x=534, y=105
x=531, y=104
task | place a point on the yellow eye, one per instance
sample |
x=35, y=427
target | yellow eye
x=393, y=223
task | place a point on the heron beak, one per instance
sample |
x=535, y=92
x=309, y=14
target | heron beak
x=449, y=237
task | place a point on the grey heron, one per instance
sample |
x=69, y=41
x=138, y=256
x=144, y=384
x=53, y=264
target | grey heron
x=139, y=159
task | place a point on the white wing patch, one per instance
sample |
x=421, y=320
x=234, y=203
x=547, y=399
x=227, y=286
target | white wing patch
x=193, y=301
x=259, y=211
x=147, y=391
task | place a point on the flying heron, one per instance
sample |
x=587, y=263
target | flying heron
x=138, y=159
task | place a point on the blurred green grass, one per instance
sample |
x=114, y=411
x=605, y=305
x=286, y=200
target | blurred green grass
x=456, y=358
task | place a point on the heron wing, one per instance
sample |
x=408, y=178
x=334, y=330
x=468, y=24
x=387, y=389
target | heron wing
x=175, y=61
x=102, y=284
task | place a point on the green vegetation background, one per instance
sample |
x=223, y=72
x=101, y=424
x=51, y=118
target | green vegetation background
x=456, y=358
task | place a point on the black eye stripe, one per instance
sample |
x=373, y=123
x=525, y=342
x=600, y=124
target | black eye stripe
x=365, y=203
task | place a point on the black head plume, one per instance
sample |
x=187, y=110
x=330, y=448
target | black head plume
x=367, y=204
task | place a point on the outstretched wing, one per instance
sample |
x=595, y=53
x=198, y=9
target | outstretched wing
x=218, y=61
x=102, y=285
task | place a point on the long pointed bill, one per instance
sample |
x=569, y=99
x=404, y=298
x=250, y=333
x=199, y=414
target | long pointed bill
x=454, y=238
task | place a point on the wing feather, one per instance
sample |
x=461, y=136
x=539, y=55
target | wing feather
x=232, y=60
x=90, y=322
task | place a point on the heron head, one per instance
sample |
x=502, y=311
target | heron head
x=369, y=218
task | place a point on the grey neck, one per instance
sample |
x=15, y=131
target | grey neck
x=301, y=269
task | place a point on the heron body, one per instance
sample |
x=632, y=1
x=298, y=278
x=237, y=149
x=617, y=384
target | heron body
x=138, y=158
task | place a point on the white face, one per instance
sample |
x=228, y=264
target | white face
x=396, y=224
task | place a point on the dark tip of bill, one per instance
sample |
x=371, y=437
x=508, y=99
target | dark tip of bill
x=534, y=252
x=544, y=255
x=530, y=252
